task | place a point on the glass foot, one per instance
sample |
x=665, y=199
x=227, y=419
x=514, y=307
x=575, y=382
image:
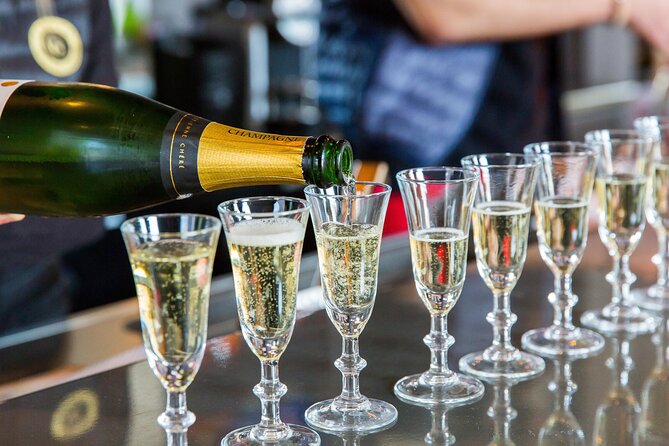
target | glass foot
x=576, y=343
x=175, y=423
x=373, y=417
x=633, y=322
x=295, y=436
x=523, y=365
x=650, y=298
x=462, y=390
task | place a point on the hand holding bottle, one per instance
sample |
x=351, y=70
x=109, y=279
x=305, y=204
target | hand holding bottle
x=10, y=218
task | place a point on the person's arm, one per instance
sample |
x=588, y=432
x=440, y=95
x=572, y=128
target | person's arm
x=475, y=20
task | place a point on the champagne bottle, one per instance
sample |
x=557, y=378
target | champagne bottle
x=83, y=149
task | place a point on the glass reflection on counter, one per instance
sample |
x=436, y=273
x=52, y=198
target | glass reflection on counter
x=439, y=433
x=502, y=413
x=176, y=437
x=617, y=416
x=351, y=438
x=561, y=427
x=654, y=423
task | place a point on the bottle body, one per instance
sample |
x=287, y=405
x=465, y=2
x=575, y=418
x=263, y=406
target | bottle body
x=83, y=149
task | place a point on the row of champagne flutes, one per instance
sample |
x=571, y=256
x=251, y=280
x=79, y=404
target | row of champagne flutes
x=620, y=164
x=172, y=256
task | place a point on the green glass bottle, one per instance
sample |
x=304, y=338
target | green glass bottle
x=82, y=149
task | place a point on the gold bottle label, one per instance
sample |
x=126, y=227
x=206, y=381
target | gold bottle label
x=199, y=155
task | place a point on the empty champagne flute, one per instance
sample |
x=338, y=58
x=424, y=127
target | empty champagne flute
x=438, y=203
x=656, y=297
x=172, y=258
x=501, y=223
x=348, y=222
x=565, y=178
x=264, y=236
x=621, y=194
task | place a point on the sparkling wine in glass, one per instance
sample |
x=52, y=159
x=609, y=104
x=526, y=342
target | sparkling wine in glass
x=438, y=202
x=172, y=258
x=264, y=236
x=621, y=192
x=656, y=297
x=501, y=221
x=348, y=222
x=565, y=179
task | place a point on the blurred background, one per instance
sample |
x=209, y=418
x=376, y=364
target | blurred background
x=266, y=65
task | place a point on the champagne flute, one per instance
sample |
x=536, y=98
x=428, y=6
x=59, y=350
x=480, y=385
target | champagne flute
x=438, y=202
x=501, y=220
x=348, y=222
x=621, y=193
x=656, y=297
x=172, y=259
x=565, y=179
x=264, y=236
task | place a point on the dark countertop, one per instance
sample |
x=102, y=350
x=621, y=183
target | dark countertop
x=120, y=406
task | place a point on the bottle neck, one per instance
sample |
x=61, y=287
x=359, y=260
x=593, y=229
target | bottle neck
x=327, y=162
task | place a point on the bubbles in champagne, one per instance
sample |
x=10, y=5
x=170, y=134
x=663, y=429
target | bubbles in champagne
x=265, y=255
x=439, y=259
x=172, y=279
x=349, y=259
x=500, y=241
x=562, y=230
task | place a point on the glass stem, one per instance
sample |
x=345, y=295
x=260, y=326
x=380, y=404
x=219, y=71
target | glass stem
x=350, y=364
x=175, y=408
x=176, y=438
x=621, y=278
x=620, y=362
x=501, y=411
x=439, y=433
x=439, y=341
x=661, y=259
x=269, y=391
x=501, y=319
x=562, y=385
x=563, y=300
x=661, y=340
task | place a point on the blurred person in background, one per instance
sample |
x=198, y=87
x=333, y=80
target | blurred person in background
x=50, y=40
x=425, y=82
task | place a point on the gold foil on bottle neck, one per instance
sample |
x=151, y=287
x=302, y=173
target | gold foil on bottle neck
x=232, y=157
